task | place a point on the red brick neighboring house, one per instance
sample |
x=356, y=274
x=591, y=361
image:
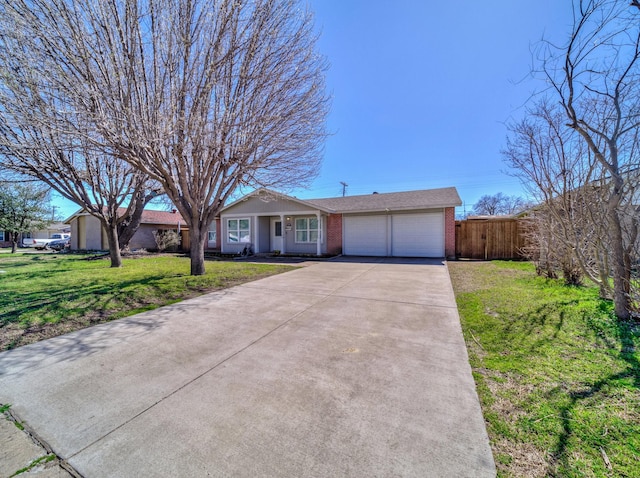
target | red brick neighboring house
x=403, y=224
x=87, y=232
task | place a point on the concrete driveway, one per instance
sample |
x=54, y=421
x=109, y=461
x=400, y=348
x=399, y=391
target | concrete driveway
x=342, y=368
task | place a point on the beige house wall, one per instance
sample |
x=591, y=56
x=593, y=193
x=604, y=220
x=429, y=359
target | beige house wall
x=93, y=234
x=88, y=234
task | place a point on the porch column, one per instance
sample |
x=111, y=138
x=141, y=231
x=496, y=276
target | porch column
x=283, y=232
x=319, y=238
x=255, y=236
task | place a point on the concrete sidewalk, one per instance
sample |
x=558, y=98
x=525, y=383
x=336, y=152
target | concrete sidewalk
x=342, y=368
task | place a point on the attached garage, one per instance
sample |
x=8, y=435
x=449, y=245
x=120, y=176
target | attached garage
x=399, y=235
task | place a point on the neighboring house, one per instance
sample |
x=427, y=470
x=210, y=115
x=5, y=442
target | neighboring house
x=5, y=236
x=87, y=232
x=404, y=224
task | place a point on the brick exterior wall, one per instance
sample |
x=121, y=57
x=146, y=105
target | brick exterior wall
x=7, y=240
x=334, y=234
x=450, y=232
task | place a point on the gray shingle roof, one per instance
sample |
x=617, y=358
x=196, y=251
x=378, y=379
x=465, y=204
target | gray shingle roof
x=402, y=201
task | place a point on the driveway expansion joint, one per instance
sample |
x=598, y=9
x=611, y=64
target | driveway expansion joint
x=21, y=427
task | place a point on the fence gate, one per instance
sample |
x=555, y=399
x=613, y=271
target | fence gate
x=489, y=239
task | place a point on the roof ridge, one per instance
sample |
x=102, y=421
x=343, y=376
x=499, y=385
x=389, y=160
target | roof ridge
x=387, y=193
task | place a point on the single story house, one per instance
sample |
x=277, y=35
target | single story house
x=87, y=232
x=403, y=224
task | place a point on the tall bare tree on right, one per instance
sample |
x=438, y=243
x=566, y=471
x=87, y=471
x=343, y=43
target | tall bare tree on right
x=595, y=76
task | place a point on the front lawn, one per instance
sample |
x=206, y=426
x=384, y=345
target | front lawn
x=44, y=295
x=558, y=376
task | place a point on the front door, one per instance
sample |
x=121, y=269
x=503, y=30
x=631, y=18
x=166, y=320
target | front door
x=276, y=234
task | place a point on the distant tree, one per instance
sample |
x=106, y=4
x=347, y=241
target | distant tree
x=498, y=204
x=23, y=208
x=204, y=96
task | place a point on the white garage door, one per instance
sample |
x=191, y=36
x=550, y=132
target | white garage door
x=418, y=235
x=365, y=235
x=412, y=235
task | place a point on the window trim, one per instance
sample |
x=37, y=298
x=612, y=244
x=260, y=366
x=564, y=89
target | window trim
x=308, y=229
x=237, y=230
x=2, y=234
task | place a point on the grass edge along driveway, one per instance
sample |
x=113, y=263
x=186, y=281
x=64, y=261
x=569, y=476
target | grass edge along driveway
x=557, y=375
x=45, y=295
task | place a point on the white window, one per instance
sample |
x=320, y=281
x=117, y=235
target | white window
x=238, y=230
x=307, y=229
x=212, y=236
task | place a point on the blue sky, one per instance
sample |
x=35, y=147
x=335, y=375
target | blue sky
x=422, y=90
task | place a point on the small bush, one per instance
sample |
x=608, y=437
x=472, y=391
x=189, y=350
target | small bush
x=167, y=240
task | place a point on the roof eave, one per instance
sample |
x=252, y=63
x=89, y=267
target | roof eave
x=280, y=195
x=399, y=209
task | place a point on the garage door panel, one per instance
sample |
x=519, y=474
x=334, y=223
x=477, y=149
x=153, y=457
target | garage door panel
x=411, y=235
x=418, y=235
x=365, y=235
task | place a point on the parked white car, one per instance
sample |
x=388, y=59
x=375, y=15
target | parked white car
x=41, y=244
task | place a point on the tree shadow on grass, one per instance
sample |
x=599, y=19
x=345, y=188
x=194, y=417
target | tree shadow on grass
x=581, y=392
x=91, y=340
x=526, y=326
x=77, y=305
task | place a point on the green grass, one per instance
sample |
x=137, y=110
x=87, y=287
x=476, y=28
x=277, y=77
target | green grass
x=557, y=375
x=38, y=461
x=44, y=295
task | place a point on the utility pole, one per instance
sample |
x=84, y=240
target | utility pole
x=53, y=213
x=344, y=188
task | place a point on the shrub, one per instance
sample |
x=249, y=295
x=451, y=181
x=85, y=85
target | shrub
x=166, y=240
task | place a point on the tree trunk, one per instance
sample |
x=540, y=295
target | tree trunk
x=114, y=248
x=196, y=254
x=14, y=242
x=621, y=273
x=128, y=227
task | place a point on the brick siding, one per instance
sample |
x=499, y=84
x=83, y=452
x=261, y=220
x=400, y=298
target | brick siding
x=334, y=234
x=450, y=232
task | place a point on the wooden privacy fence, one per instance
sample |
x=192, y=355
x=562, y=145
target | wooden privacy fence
x=490, y=238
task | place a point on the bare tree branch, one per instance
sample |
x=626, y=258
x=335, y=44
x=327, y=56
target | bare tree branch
x=595, y=78
x=204, y=96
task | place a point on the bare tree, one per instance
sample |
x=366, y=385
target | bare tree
x=596, y=79
x=204, y=96
x=498, y=204
x=43, y=136
x=569, y=228
x=97, y=181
